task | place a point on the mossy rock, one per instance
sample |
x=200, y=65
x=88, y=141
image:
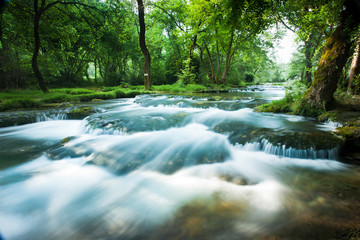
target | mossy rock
x=297, y=140
x=60, y=151
x=329, y=116
x=81, y=112
x=349, y=132
x=277, y=106
x=66, y=140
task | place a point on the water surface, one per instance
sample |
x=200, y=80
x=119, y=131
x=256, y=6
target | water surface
x=177, y=167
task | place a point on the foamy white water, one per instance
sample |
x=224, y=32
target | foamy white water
x=159, y=167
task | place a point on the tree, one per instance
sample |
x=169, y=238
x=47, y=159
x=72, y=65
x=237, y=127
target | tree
x=312, y=21
x=221, y=29
x=38, y=10
x=144, y=49
x=355, y=65
x=337, y=49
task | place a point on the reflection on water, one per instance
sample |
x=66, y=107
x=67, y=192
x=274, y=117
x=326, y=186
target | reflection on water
x=172, y=167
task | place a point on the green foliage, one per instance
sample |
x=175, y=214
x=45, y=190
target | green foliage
x=304, y=108
x=356, y=84
x=99, y=45
x=249, y=78
x=330, y=115
x=187, y=75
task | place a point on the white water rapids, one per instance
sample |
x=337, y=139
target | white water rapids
x=160, y=167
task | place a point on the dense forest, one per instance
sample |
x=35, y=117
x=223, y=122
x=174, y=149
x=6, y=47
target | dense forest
x=81, y=43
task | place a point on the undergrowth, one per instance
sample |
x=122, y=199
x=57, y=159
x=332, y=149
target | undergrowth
x=293, y=102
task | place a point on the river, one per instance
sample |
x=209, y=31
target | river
x=177, y=167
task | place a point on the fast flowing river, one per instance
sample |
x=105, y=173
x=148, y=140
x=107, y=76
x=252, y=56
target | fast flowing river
x=175, y=167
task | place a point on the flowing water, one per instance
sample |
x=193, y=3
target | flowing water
x=177, y=167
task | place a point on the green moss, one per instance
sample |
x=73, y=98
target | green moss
x=80, y=113
x=305, y=108
x=328, y=116
x=278, y=106
x=349, y=132
x=66, y=140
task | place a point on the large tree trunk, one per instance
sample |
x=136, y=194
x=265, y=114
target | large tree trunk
x=229, y=55
x=211, y=75
x=144, y=49
x=355, y=65
x=203, y=64
x=34, y=62
x=336, y=53
x=212, y=79
x=308, y=64
x=95, y=63
x=191, y=52
x=192, y=47
x=217, y=61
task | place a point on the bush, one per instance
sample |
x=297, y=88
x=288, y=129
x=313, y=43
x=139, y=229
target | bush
x=249, y=78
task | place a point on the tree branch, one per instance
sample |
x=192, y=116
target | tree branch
x=172, y=18
x=43, y=9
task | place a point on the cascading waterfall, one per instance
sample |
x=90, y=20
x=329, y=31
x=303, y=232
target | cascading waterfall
x=289, y=152
x=173, y=167
x=52, y=116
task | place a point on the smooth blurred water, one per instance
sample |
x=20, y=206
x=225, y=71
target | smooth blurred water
x=174, y=167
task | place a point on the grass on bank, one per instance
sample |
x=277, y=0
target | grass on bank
x=293, y=102
x=15, y=99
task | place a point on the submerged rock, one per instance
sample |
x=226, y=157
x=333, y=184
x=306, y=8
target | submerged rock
x=62, y=112
x=290, y=143
x=351, y=136
x=213, y=218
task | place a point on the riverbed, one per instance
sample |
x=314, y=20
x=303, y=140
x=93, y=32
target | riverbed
x=204, y=166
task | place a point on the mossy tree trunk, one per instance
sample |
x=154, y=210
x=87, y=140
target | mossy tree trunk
x=355, y=65
x=308, y=57
x=337, y=49
x=144, y=49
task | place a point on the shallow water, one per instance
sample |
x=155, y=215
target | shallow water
x=175, y=167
